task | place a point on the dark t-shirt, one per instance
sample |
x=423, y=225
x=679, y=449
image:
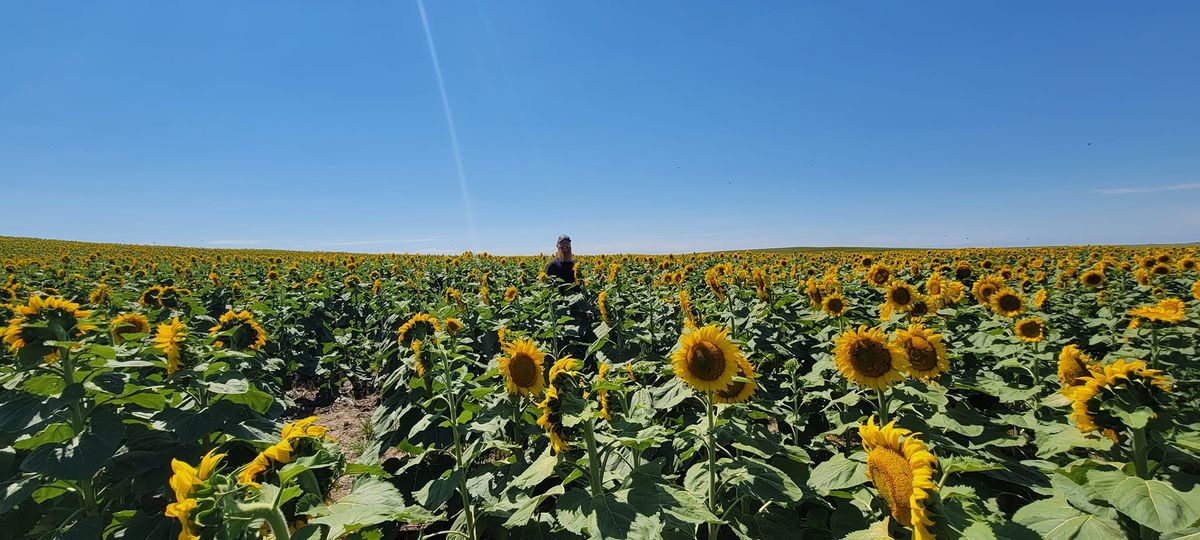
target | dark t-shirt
x=563, y=272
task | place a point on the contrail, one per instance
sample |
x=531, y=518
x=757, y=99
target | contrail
x=462, y=175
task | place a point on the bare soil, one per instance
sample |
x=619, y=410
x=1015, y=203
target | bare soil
x=344, y=418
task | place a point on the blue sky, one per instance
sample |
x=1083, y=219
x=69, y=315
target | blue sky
x=632, y=126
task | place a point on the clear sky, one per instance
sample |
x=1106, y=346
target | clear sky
x=633, y=126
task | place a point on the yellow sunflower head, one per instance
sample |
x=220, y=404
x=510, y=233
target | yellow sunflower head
x=1092, y=279
x=706, y=359
x=1030, y=329
x=453, y=326
x=522, y=368
x=1119, y=386
x=879, y=275
x=170, y=339
x=834, y=305
x=1196, y=290
x=985, y=288
x=238, y=331
x=867, y=358
x=44, y=319
x=1166, y=311
x=900, y=295
x=419, y=326
x=924, y=352
x=1074, y=365
x=510, y=294
x=1007, y=302
x=738, y=391
x=128, y=323
x=901, y=467
x=551, y=421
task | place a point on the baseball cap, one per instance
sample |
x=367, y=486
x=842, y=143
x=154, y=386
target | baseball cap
x=562, y=237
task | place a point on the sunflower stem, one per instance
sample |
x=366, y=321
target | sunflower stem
x=1140, y=452
x=882, y=402
x=1153, y=346
x=595, y=474
x=458, y=452
x=712, y=467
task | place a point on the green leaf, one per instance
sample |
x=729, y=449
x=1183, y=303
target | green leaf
x=372, y=503
x=15, y=492
x=877, y=531
x=83, y=455
x=537, y=471
x=838, y=472
x=439, y=490
x=529, y=505
x=1152, y=503
x=1054, y=519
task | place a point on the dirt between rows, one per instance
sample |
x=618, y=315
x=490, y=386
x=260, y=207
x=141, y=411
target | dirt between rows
x=345, y=419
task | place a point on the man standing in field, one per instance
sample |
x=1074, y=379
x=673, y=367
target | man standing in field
x=562, y=271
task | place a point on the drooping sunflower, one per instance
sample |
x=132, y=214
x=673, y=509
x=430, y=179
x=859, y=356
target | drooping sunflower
x=418, y=362
x=183, y=482
x=101, y=294
x=739, y=391
x=169, y=340
x=566, y=365
x=128, y=323
x=44, y=319
x=706, y=359
x=1074, y=365
x=685, y=306
x=602, y=305
x=151, y=297
x=1166, y=311
x=924, y=352
x=238, y=331
x=522, y=368
x=1196, y=289
x=834, y=305
x=551, y=421
x=900, y=295
x=867, y=358
x=290, y=437
x=1030, y=329
x=1007, y=302
x=510, y=294
x=1039, y=299
x=901, y=467
x=453, y=326
x=602, y=394
x=1115, y=385
x=419, y=326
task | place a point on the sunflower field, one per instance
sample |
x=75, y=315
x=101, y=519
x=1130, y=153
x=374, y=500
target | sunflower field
x=152, y=392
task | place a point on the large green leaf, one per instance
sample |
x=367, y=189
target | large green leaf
x=1055, y=519
x=83, y=455
x=371, y=503
x=838, y=472
x=1152, y=503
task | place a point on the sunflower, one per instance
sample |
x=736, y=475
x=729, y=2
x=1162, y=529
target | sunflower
x=169, y=340
x=128, y=323
x=900, y=295
x=1039, y=299
x=522, y=368
x=834, y=305
x=419, y=326
x=281, y=452
x=1030, y=329
x=706, y=359
x=924, y=352
x=510, y=294
x=1007, y=302
x=813, y=290
x=151, y=297
x=901, y=467
x=566, y=365
x=1116, y=385
x=1168, y=311
x=418, y=362
x=1074, y=365
x=867, y=358
x=1092, y=279
x=43, y=319
x=685, y=306
x=879, y=275
x=921, y=307
x=602, y=394
x=101, y=294
x=238, y=331
x=1196, y=289
x=738, y=391
x=602, y=305
x=453, y=326
x=551, y=421
x=985, y=288
x=183, y=482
